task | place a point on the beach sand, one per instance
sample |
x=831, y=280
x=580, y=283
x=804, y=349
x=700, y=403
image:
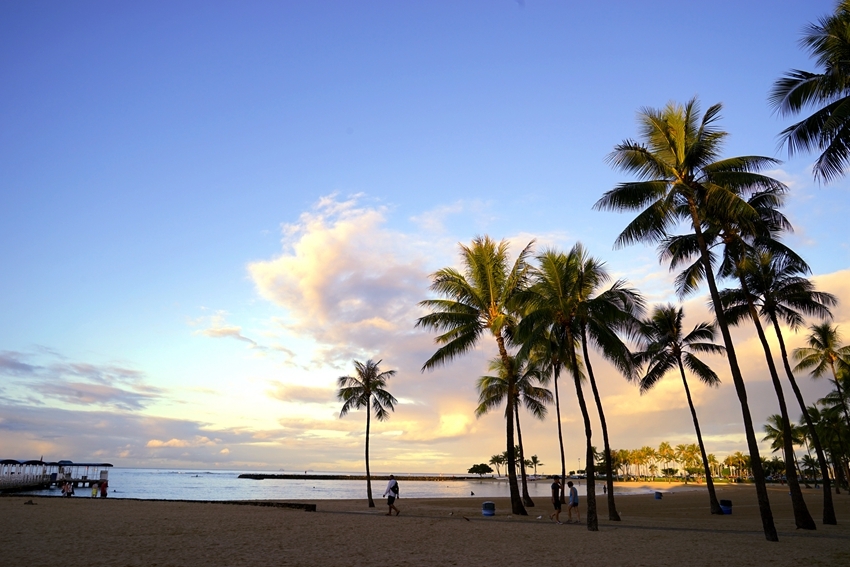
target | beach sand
x=676, y=530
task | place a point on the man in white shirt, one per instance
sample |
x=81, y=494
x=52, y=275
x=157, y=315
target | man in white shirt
x=392, y=493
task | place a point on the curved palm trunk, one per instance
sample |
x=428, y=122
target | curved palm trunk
x=767, y=522
x=368, y=474
x=590, y=469
x=840, y=393
x=516, y=501
x=557, y=372
x=828, y=506
x=712, y=495
x=609, y=473
x=802, y=517
x=526, y=499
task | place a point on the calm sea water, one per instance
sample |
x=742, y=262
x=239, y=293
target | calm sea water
x=170, y=484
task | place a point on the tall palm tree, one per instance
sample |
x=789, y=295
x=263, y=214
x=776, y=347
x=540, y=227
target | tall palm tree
x=775, y=433
x=827, y=129
x=679, y=170
x=493, y=390
x=742, y=237
x=367, y=390
x=666, y=454
x=535, y=461
x=780, y=291
x=825, y=353
x=664, y=346
x=481, y=299
x=497, y=461
x=550, y=348
x=835, y=434
x=600, y=315
x=551, y=316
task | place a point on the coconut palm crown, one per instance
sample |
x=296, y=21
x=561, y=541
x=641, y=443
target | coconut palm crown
x=827, y=128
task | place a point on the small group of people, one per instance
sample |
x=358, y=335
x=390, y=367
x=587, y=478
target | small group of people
x=102, y=488
x=572, y=502
x=67, y=489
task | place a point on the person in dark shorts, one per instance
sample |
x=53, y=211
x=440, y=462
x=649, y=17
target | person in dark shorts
x=392, y=493
x=556, y=500
x=573, y=504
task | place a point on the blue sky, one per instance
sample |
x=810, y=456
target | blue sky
x=208, y=209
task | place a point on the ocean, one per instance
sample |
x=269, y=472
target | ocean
x=205, y=484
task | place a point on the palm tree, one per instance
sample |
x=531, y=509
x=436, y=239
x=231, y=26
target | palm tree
x=600, y=315
x=825, y=352
x=679, y=172
x=666, y=454
x=664, y=346
x=536, y=462
x=781, y=293
x=497, y=461
x=827, y=129
x=493, y=390
x=741, y=460
x=743, y=237
x=550, y=319
x=550, y=349
x=367, y=390
x=481, y=299
x=775, y=433
x=833, y=433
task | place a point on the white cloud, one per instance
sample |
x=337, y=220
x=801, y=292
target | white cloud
x=345, y=279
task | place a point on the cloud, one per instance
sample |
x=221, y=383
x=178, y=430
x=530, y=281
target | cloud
x=11, y=365
x=197, y=441
x=344, y=279
x=293, y=393
x=217, y=328
x=84, y=393
x=80, y=383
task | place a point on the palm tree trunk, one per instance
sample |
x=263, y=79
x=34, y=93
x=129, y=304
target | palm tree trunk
x=590, y=469
x=802, y=517
x=768, y=525
x=828, y=506
x=557, y=372
x=516, y=500
x=612, y=508
x=714, y=504
x=526, y=499
x=840, y=393
x=368, y=474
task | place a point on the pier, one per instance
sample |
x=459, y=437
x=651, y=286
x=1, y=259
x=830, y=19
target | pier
x=17, y=476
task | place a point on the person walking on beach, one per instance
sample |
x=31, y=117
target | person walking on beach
x=392, y=493
x=94, y=490
x=573, y=503
x=556, y=500
x=104, y=489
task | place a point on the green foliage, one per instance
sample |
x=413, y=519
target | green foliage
x=480, y=469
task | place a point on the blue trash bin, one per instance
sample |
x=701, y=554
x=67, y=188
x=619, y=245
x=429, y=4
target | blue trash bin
x=726, y=506
x=658, y=495
x=488, y=509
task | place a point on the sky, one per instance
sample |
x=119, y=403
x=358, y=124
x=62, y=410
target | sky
x=208, y=210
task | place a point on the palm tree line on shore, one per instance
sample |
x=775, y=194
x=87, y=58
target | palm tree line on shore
x=714, y=220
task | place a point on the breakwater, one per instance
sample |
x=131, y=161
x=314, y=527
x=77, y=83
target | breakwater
x=436, y=478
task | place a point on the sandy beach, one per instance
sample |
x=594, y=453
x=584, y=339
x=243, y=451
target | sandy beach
x=675, y=530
